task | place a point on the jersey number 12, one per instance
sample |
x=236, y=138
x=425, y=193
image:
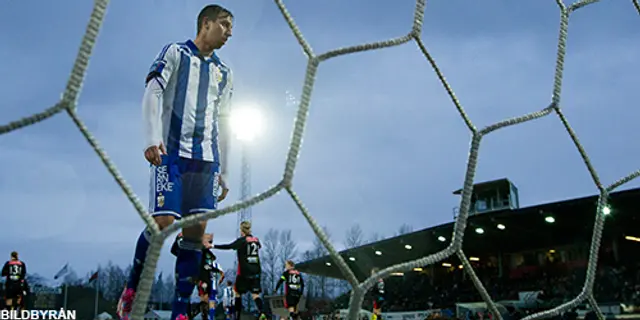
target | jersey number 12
x=252, y=249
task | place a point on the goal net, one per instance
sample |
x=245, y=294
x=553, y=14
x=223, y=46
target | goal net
x=68, y=104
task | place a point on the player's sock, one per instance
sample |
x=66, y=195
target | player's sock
x=187, y=264
x=292, y=315
x=259, y=305
x=238, y=308
x=212, y=313
x=139, y=257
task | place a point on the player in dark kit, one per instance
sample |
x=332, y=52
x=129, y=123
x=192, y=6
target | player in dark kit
x=21, y=301
x=15, y=272
x=249, y=270
x=378, y=297
x=293, y=288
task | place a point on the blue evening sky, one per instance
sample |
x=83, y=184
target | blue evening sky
x=384, y=144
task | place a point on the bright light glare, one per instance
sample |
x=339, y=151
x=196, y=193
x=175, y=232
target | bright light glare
x=606, y=210
x=246, y=123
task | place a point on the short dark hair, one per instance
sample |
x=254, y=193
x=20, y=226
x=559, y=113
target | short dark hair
x=291, y=263
x=14, y=254
x=212, y=12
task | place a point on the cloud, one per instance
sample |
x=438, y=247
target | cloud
x=383, y=144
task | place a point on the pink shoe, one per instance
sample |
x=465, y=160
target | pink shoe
x=182, y=317
x=125, y=304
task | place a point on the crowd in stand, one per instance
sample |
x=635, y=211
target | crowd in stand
x=419, y=292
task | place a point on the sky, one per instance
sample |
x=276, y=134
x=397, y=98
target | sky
x=384, y=145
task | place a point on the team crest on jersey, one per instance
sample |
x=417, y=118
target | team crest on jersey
x=218, y=74
x=160, y=200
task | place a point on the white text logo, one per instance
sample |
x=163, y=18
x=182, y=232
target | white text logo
x=37, y=314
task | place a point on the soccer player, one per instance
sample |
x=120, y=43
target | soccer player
x=24, y=295
x=293, y=288
x=378, y=297
x=210, y=277
x=228, y=299
x=15, y=272
x=185, y=111
x=249, y=270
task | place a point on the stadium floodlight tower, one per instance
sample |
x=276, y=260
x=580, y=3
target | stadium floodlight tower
x=246, y=124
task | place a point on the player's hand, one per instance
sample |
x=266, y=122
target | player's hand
x=225, y=190
x=154, y=154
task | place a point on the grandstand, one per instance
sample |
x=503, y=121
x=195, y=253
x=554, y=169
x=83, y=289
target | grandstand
x=514, y=250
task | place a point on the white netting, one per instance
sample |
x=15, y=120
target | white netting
x=74, y=85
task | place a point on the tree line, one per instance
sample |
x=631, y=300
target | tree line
x=278, y=247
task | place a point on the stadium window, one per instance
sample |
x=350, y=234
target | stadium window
x=352, y=259
x=447, y=265
x=474, y=259
x=501, y=226
x=378, y=253
x=442, y=239
x=481, y=205
x=328, y=264
x=417, y=269
x=550, y=219
x=407, y=246
x=479, y=230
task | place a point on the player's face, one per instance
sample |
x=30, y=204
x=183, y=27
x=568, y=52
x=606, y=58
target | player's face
x=217, y=32
x=207, y=240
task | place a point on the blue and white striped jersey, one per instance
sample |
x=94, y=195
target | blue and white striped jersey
x=215, y=275
x=196, y=91
x=228, y=297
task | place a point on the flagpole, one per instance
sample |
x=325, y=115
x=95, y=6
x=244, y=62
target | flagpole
x=95, y=310
x=66, y=290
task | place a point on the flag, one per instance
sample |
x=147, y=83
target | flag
x=62, y=272
x=93, y=276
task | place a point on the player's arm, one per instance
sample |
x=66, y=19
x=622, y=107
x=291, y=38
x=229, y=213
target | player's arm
x=5, y=269
x=163, y=67
x=224, y=125
x=231, y=246
x=221, y=281
x=23, y=274
x=301, y=284
x=282, y=279
x=175, y=248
